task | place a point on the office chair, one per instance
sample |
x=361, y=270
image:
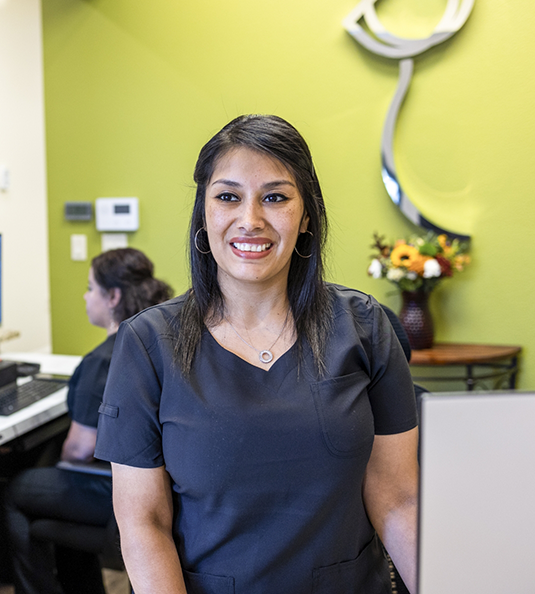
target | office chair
x=404, y=341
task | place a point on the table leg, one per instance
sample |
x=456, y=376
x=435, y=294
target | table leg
x=470, y=382
x=512, y=376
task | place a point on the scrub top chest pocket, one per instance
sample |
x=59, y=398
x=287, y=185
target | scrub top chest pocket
x=345, y=414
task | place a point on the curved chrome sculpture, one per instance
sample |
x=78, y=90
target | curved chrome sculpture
x=390, y=46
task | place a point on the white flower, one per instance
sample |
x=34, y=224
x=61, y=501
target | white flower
x=395, y=274
x=412, y=275
x=432, y=268
x=375, y=269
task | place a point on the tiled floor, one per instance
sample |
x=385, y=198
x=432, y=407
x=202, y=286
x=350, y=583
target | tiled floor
x=116, y=582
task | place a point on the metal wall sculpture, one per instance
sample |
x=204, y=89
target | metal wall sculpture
x=390, y=46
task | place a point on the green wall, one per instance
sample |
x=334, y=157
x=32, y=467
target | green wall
x=134, y=88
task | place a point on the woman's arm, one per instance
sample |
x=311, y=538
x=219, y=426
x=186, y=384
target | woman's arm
x=144, y=510
x=79, y=445
x=391, y=498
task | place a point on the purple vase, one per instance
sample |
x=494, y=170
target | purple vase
x=415, y=317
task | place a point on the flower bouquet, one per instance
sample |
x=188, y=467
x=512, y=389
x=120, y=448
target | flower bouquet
x=416, y=266
x=419, y=263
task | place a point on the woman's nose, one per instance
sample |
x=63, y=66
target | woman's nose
x=251, y=216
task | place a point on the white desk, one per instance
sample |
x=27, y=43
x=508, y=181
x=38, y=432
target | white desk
x=45, y=410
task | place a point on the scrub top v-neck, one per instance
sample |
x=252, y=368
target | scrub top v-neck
x=230, y=359
x=266, y=465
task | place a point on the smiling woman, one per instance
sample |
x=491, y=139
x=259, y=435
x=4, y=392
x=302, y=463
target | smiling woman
x=261, y=427
x=283, y=156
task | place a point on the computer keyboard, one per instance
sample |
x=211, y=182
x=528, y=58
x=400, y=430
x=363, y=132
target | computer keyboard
x=13, y=398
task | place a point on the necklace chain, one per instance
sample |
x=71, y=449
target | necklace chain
x=265, y=356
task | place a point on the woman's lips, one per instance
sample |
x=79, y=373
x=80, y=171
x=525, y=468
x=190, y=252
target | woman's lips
x=251, y=248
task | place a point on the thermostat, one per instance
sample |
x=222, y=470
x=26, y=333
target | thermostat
x=117, y=214
x=78, y=211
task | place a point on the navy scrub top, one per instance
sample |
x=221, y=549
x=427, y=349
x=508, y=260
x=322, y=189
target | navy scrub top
x=86, y=386
x=266, y=466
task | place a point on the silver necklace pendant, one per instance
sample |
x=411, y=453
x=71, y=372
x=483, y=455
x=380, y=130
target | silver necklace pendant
x=265, y=356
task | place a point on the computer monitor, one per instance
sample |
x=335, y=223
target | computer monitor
x=477, y=493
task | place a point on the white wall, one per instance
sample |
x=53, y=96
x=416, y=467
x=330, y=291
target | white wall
x=23, y=208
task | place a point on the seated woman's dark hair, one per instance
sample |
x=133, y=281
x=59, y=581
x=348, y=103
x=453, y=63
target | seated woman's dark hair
x=132, y=272
x=308, y=296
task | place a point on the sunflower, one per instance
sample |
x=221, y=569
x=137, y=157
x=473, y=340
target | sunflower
x=404, y=255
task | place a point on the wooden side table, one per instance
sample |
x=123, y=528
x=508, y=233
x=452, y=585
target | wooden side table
x=497, y=361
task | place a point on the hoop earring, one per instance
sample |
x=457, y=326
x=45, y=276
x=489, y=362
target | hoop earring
x=195, y=242
x=301, y=255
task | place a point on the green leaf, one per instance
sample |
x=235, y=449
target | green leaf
x=428, y=249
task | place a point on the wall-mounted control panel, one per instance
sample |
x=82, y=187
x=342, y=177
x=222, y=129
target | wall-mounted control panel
x=117, y=214
x=78, y=211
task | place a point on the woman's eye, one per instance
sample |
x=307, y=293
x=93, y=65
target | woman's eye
x=227, y=197
x=275, y=198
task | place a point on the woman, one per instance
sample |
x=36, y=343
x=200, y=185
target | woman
x=121, y=283
x=262, y=426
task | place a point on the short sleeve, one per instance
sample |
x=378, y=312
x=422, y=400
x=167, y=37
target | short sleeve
x=391, y=390
x=129, y=431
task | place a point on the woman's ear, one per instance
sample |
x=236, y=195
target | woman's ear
x=304, y=223
x=114, y=295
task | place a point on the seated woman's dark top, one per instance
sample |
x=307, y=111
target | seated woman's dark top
x=86, y=386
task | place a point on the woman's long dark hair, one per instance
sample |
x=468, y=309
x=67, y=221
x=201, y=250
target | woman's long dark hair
x=309, y=298
x=132, y=272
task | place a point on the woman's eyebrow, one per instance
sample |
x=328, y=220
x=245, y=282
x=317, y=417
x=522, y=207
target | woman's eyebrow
x=226, y=182
x=267, y=186
x=278, y=182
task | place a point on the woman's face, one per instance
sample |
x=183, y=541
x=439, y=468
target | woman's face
x=98, y=303
x=254, y=213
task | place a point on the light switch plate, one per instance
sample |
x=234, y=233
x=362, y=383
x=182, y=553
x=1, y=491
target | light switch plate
x=113, y=241
x=79, y=248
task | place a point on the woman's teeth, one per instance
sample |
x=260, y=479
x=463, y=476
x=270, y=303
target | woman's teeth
x=251, y=247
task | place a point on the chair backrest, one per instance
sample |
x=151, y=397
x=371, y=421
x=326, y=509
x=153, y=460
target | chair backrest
x=404, y=341
x=399, y=330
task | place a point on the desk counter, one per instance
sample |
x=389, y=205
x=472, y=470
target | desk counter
x=45, y=410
